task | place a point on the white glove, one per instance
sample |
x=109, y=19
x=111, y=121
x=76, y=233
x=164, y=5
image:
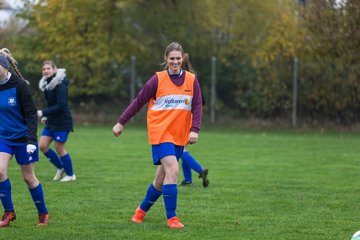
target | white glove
x=30, y=148
x=43, y=120
x=39, y=113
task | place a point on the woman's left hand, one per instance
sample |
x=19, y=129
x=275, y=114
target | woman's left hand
x=193, y=137
x=43, y=120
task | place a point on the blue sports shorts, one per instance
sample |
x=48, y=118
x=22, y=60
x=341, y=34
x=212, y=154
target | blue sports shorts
x=60, y=136
x=162, y=150
x=19, y=150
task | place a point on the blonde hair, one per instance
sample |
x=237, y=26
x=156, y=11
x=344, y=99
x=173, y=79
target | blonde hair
x=6, y=52
x=51, y=63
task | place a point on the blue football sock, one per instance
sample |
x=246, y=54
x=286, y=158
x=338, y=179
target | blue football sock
x=151, y=196
x=37, y=195
x=5, y=195
x=170, y=199
x=186, y=171
x=66, y=160
x=53, y=158
x=191, y=162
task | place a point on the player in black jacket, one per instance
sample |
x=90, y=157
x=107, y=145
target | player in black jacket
x=57, y=116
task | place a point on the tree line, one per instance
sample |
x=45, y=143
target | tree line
x=255, y=44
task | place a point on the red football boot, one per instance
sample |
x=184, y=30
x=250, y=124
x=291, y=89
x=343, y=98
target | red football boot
x=43, y=219
x=174, y=222
x=138, y=216
x=7, y=218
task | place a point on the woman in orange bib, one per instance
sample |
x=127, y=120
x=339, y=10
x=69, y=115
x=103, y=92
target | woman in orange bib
x=175, y=106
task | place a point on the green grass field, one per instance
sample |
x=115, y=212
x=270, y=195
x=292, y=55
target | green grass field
x=264, y=184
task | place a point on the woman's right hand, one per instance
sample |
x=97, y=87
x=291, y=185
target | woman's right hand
x=118, y=129
x=39, y=113
x=193, y=137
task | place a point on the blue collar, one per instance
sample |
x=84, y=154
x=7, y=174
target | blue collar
x=176, y=74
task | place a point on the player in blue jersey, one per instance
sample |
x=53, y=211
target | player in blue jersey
x=189, y=162
x=18, y=138
x=58, y=120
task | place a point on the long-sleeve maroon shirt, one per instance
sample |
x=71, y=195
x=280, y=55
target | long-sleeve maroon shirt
x=149, y=91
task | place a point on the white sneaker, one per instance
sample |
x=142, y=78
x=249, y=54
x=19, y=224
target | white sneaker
x=58, y=174
x=68, y=178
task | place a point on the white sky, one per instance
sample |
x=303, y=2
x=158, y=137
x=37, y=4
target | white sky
x=15, y=3
x=5, y=14
x=339, y=3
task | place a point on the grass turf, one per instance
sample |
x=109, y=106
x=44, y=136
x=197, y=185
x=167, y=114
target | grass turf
x=264, y=184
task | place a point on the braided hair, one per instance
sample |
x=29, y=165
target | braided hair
x=6, y=52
